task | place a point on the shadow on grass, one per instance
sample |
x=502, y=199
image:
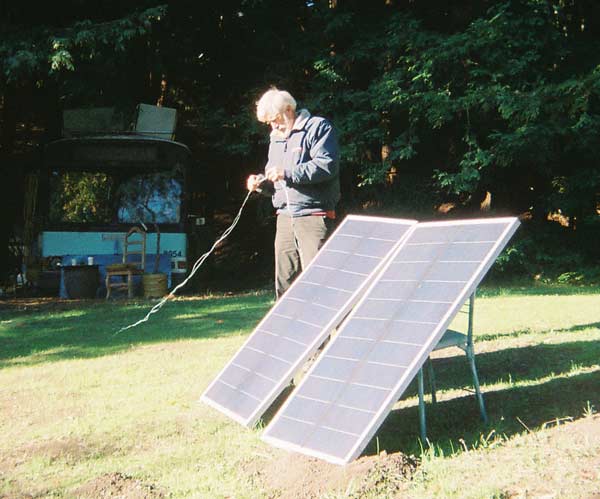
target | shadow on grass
x=450, y=421
x=89, y=329
x=553, y=390
x=522, y=364
x=534, y=404
x=524, y=332
x=579, y=327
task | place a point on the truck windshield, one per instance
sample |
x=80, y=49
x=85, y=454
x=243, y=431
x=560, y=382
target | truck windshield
x=84, y=197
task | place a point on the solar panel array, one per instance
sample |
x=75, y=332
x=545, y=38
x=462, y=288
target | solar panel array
x=304, y=316
x=379, y=348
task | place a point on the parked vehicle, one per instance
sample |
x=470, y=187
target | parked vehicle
x=94, y=187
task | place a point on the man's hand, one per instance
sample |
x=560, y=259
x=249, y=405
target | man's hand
x=253, y=182
x=274, y=174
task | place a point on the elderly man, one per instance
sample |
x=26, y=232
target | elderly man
x=302, y=175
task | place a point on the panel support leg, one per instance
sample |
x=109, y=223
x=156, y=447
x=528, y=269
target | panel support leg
x=470, y=351
x=422, y=421
x=431, y=375
x=471, y=357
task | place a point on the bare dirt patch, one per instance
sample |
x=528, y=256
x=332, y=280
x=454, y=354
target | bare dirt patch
x=70, y=450
x=117, y=486
x=558, y=461
x=294, y=476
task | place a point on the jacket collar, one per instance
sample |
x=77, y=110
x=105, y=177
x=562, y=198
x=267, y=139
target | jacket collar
x=299, y=123
x=301, y=119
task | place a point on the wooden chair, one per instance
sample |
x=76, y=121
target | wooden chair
x=463, y=341
x=133, y=245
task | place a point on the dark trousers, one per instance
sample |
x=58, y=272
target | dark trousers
x=297, y=241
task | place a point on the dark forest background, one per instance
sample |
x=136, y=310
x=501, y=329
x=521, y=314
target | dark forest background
x=444, y=108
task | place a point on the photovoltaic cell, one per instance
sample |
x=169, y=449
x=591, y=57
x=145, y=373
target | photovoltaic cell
x=304, y=316
x=380, y=347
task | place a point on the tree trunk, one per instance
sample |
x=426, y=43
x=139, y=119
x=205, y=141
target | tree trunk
x=7, y=144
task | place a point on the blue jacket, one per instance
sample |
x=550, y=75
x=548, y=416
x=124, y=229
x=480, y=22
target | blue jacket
x=310, y=159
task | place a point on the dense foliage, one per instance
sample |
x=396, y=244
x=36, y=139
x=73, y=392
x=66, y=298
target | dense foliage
x=440, y=106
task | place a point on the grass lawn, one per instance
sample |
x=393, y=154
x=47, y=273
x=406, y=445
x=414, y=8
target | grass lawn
x=87, y=413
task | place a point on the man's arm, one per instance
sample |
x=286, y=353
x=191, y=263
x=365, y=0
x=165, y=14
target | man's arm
x=324, y=162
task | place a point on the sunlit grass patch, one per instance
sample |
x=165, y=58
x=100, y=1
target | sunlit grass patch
x=79, y=402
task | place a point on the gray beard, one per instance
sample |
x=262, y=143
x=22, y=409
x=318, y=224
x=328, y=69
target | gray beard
x=278, y=134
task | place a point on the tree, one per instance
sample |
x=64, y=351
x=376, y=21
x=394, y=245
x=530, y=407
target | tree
x=55, y=55
x=436, y=103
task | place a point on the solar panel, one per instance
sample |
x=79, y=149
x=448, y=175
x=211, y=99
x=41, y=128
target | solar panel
x=379, y=348
x=304, y=316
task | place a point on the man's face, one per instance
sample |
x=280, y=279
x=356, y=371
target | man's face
x=282, y=123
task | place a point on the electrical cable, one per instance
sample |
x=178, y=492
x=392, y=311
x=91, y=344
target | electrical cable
x=202, y=259
x=195, y=267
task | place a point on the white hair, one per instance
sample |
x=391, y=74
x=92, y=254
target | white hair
x=272, y=103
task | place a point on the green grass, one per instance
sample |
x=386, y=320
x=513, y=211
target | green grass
x=89, y=329
x=78, y=401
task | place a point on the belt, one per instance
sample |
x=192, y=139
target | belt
x=327, y=214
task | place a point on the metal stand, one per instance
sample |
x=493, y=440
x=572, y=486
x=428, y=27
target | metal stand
x=464, y=342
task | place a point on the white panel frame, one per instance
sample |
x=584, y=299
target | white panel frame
x=326, y=330
x=420, y=358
